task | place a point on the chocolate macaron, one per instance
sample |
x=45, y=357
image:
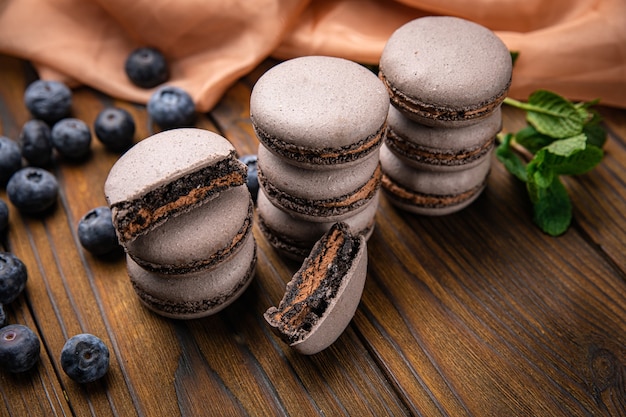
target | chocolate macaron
x=319, y=112
x=445, y=71
x=436, y=148
x=197, y=294
x=323, y=295
x=319, y=195
x=429, y=192
x=197, y=239
x=167, y=174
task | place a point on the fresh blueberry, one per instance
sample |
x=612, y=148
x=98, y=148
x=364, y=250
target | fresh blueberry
x=96, y=232
x=253, y=174
x=36, y=142
x=10, y=158
x=13, y=276
x=19, y=348
x=32, y=190
x=49, y=101
x=171, y=107
x=71, y=138
x=85, y=358
x=146, y=67
x=4, y=215
x=3, y=317
x=115, y=128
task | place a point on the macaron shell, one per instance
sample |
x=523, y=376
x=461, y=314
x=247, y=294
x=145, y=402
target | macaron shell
x=319, y=102
x=340, y=311
x=294, y=237
x=315, y=184
x=198, y=239
x=196, y=294
x=436, y=148
x=433, y=182
x=162, y=158
x=453, y=67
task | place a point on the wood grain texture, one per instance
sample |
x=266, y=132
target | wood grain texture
x=473, y=314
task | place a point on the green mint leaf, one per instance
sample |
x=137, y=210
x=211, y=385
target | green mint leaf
x=514, y=56
x=554, y=115
x=569, y=156
x=512, y=162
x=532, y=140
x=596, y=135
x=552, y=209
x=538, y=173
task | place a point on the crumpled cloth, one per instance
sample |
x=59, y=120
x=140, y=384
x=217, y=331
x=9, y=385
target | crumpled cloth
x=576, y=48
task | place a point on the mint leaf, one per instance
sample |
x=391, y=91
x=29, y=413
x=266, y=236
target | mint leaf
x=570, y=156
x=532, y=140
x=512, y=162
x=552, y=208
x=554, y=115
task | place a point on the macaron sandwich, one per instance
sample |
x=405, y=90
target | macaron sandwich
x=446, y=79
x=320, y=122
x=184, y=216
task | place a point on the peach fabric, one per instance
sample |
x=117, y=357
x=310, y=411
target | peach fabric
x=574, y=47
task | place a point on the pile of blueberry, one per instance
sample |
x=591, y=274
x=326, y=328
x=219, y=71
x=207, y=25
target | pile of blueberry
x=33, y=189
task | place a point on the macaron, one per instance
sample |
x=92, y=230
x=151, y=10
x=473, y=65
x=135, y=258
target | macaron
x=319, y=112
x=445, y=71
x=318, y=195
x=167, y=174
x=294, y=237
x=323, y=295
x=436, y=148
x=430, y=192
x=197, y=239
x=197, y=294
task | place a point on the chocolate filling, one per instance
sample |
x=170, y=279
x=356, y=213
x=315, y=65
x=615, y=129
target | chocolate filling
x=434, y=156
x=315, y=285
x=326, y=207
x=134, y=217
x=210, y=260
x=419, y=108
x=415, y=198
x=323, y=156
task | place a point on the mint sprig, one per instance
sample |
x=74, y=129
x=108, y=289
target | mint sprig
x=562, y=138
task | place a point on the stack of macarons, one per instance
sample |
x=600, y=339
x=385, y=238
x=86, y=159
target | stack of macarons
x=446, y=78
x=320, y=122
x=183, y=213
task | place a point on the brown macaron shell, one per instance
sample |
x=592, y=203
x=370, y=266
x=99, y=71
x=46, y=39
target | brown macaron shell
x=431, y=192
x=315, y=195
x=197, y=294
x=435, y=148
x=294, y=237
x=198, y=239
x=445, y=71
x=323, y=295
x=167, y=174
x=319, y=112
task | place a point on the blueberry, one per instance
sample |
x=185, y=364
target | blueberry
x=3, y=317
x=146, y=67
x=19, y=348
x=252, y=180
x=13, y=276
x=4, y=215
x=49, y=101
x=171, y=107
x=85, y=358
x=32, y=190
x=115, y=128
x=96, y=232
x=71, y=138
x=10, y=158
x=36, y=142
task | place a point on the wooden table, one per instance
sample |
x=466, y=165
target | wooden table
x=476, y=313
